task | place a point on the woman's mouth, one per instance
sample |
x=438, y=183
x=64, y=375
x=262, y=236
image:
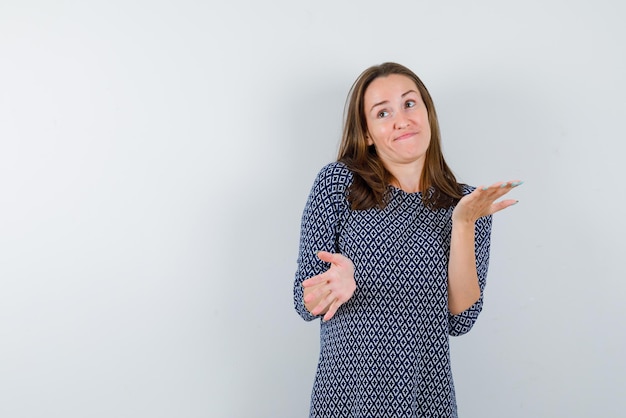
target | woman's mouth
x=405, y=136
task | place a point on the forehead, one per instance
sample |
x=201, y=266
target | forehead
x=388, y=87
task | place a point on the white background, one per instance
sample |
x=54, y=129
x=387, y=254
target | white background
x=155, y=157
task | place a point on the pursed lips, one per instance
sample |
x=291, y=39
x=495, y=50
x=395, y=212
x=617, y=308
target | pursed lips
x=405, y=136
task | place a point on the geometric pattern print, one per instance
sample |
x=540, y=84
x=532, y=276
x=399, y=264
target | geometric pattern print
x=386, y=351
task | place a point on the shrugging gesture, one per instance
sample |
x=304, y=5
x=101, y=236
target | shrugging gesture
x=422, y=257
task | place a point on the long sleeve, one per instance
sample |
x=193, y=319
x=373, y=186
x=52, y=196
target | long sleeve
x=461, y=324
x=321, y=223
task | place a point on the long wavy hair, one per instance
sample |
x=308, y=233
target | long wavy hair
x=370, y=187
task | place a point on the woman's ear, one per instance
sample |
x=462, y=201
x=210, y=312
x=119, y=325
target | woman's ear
x=369, y=140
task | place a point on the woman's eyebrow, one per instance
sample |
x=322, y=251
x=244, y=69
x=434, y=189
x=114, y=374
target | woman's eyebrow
x=387, y=101
x=378, y=104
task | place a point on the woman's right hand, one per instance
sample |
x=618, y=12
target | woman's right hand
x=327, y=291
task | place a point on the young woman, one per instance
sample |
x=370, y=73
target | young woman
x=393, y=256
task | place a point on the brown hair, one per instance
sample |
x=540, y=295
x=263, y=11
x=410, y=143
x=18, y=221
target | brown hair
x=371, y=179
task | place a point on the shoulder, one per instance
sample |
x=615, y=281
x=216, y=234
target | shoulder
x=466, y=189
x=330, y=188
x=336, y=176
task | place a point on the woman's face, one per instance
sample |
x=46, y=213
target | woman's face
x=397, y=120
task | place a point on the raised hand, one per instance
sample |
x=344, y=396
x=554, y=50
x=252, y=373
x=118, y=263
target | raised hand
x=327, y=291
x=482, y=202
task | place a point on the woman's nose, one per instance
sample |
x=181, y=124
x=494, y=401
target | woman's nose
x=401, y=122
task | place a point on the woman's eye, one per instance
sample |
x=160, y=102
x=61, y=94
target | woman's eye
x=383, y=113
x=410, y=103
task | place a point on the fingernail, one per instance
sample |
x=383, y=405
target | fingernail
x=485, y=188
x=517, y=183
x=516, y=202
x=503, y=185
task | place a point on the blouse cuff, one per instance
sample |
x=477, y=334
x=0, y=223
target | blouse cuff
x=463, y=322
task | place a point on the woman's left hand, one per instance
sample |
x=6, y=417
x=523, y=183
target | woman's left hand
x=482, y=202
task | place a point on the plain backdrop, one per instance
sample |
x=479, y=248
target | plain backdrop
x=155, y=158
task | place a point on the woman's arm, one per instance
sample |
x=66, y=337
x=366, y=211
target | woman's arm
x=321, y=220
x=463, y=286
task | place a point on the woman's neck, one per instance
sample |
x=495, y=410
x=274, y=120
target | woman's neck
x=406, y=177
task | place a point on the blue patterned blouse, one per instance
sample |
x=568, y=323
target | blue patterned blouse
x=386, y=351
